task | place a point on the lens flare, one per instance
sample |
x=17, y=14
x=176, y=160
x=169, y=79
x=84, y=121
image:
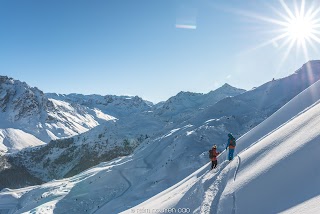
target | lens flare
x=191, y=27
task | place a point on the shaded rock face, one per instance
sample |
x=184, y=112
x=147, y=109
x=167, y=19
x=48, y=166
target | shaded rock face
x=20, y=100
x=58, y=159
x=14, y=176
x=16, y=171
x=67, y=157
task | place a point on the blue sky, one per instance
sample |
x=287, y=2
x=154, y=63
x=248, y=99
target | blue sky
x=134, y=47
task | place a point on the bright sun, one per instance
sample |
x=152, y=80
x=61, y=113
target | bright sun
x=297, y=26
x=300, y=26
x=300, y=29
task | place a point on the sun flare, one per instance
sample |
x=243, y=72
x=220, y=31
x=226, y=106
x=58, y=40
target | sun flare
x=300, y=29
x=294, y=27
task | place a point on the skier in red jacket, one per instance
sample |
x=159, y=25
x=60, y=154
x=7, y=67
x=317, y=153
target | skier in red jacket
x=213, y=156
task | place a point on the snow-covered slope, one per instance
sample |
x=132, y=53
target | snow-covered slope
x=118, y=106
x=158, y=165
x=66, y=120
x=275, y=171
x=285, y=88
x=249, y=109
x=28, y=109
x=13, y=140
x=70, y=156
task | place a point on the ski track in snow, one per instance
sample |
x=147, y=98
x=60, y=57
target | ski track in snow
x=236, y=172
x=129, y=186
x=213, y=193
x=148, y=166
x=216, y=189
x=234, y=203
x=234, y=209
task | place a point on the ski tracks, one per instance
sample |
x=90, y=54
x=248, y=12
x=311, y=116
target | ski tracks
x=237, y=169
x=234, y=208
x=129, y=186
x=213, y=194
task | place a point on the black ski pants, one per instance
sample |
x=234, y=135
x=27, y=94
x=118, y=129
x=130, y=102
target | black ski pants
x=214, y=164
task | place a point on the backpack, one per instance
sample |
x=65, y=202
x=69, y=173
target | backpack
x=233, y=142
x=211, y=155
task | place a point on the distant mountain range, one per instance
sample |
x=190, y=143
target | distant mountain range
x=30, y=110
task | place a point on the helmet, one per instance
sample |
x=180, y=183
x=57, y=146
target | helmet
x=214, y=146
x=230, y=135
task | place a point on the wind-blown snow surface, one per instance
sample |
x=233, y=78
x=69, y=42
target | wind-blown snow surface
x=275, y=171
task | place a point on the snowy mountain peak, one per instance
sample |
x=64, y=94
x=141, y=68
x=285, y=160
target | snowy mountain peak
x=28, y=109
x=313, y=66
x=20, y=100
x=182, y=94
x=226, y=86
x=228, y=89
x=314, y=62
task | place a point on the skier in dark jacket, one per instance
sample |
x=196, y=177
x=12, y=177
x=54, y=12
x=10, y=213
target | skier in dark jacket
x=213, y=156
x=232, y=145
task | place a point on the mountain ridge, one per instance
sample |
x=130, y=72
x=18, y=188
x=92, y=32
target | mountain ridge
x=28, y=109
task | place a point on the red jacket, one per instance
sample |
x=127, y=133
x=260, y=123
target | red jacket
x=215, y=154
